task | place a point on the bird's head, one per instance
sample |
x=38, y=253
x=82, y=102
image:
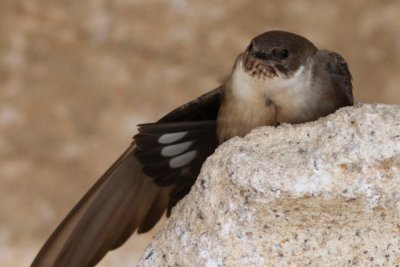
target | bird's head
x=276, y=53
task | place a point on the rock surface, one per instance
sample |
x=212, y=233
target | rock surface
x=77, y=76
x=324, y=193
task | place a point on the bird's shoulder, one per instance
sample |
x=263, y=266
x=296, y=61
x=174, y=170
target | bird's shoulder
x=337, y=68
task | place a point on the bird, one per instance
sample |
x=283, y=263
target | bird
x=281, y=77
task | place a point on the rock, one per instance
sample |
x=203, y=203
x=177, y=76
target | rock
x=324, y=193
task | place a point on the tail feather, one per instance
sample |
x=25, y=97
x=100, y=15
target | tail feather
x=125, y=198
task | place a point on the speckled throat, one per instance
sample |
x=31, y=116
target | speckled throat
x=257, y=95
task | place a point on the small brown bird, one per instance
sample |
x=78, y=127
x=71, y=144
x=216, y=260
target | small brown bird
x=280, y=78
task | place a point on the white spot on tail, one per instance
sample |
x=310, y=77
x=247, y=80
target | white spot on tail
x=182, y=160
x=171, y=137
x=174, y=150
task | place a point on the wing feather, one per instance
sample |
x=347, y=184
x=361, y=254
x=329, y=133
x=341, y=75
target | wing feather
x=336, y=67
x=125, y=198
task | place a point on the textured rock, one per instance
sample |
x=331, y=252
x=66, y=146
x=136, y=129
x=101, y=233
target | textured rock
x=324, y=193
x=77, y=76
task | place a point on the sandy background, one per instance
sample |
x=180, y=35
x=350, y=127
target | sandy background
x=77, y=76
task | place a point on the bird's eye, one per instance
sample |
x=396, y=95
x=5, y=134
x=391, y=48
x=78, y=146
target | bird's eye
x=284, y=53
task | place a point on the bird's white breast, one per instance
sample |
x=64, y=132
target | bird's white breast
x=292, y=94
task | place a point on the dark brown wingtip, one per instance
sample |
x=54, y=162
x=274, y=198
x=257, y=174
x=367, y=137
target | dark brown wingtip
x=156, y=211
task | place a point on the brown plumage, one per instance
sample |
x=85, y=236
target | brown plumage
x=280, y=78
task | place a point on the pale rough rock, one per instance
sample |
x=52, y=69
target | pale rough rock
x=77, y=76
x=324, y=193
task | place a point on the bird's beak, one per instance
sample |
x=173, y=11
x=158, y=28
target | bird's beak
x=255, y=52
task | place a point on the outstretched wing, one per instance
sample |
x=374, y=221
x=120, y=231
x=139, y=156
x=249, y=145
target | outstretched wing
x=135, y=191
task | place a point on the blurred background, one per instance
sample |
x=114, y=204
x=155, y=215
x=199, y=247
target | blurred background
x=77, y=76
